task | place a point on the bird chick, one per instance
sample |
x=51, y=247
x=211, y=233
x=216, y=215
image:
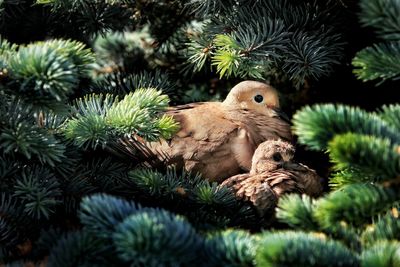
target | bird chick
x=218, y=139
x=272, y=174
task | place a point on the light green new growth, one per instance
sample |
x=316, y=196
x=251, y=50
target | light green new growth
x=100, y=119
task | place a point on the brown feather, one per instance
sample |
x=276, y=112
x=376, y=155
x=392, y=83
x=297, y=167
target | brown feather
x=269, y=179
x=218, y=139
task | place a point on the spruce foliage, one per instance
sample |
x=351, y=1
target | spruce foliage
x=380, y=61
x=77, y=77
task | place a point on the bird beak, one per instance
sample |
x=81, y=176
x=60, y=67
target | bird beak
x=292, y=166
x=279, y=113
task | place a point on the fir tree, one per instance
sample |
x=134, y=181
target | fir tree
x=76, y=76
x=380, y=61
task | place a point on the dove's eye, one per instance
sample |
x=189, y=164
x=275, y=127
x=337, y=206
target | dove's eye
x=258, y=98
x=277, y=157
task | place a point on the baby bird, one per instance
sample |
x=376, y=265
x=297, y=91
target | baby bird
x=272, y=174
x=218, y=139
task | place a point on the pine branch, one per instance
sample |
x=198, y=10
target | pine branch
x=123, y=51
x=20, y=135
x=270, y=40
x=297, y=212
x=198, y=51
x=10, y=234
x=157, y=185
x=386, y=227
x=88, y=128
x=106, y=174
x=235, y=51
x=211, y=194
x=312, y=56
x=391, y=114
x=351, y=176
x=76, y=249
x=39, y=193
x=355, y=204
x=226, y=62
x=44, y=74
x=119, y=83
x=100, y=214
x=205, y=8
x=6, y=50
x=9, y=169
x=137, y=113
x=304, y=15
x=317, y=125
x=383, y=15
x=370, y=155
x=100, y=119
x=81, y=57
x=381, y=254
x=42, y=69
x=381, y=61
x=183, y=191
x=177, y=242
x=231, y=248
x=94, y=17
x=257, y=39
x=288, y=248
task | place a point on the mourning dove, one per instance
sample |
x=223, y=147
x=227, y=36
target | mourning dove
x=272, y=174
x=218, y=139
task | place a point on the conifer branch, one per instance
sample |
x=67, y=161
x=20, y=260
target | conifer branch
x=370, y=155
x=230, y=248
x=297, y=212
x=387, y=227
x=287, y=248
x=382, y=253
x=39, y=193
x=355, y=204
x=383, y=15
x=99, y=118
x=177, y=242
x=318, y=124
x=391, y=114
x=381, y=61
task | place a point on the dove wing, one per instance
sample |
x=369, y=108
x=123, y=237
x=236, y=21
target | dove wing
x=213, y=140
x=209, y=141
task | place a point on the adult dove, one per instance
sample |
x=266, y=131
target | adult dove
x=272, y=174
x=218, y=139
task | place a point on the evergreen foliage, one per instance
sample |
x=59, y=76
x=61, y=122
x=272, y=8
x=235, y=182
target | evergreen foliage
x=361, y=210
x=147, y=237
x=260, y=39
x=297, y=212
x=381, y=254
x=77, y=77
x=289, y=248
x=385, y=228
x=380, y=61
x=231, y=248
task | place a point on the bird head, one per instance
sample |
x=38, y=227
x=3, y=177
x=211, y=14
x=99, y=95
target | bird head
x=271, y=155
x=253, y=95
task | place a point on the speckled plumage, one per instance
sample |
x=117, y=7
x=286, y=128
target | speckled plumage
x=269, y=178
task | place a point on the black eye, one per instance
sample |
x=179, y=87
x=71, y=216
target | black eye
x=258, y=98
x=277, y=157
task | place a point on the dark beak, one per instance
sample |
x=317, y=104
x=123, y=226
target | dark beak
x=281, y=115
x=287, y=165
